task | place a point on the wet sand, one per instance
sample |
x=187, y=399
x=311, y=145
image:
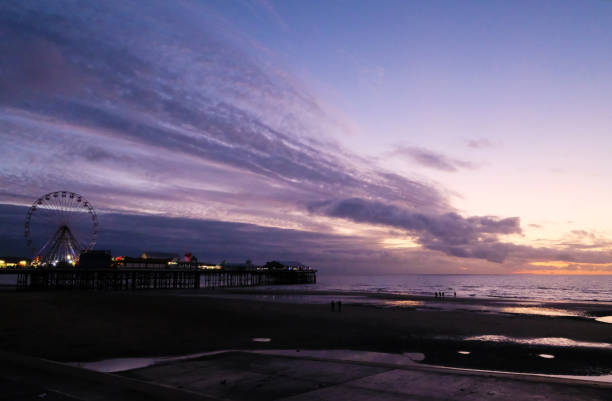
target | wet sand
x=88, y=326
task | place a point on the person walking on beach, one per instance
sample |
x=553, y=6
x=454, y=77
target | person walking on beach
x=333, y=306
x=339, y=306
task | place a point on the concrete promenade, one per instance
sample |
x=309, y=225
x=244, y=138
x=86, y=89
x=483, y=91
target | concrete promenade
x=283, y=375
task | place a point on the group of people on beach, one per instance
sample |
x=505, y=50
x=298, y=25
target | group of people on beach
x=442, y=294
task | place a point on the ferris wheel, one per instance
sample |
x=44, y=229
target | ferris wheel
x=59, y=226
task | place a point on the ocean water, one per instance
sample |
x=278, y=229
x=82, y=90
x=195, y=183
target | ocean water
x=527, y=287
x=520, y=287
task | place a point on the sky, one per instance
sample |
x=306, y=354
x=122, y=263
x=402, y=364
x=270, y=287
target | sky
x=353, y=136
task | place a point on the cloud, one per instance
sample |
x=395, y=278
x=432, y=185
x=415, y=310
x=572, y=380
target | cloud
x=31, y=66
x=430, y=159
x=177, y=120
x=479, y=143
x=471, y=237
x=182, y=137
x=269, y=8
x=213, y=241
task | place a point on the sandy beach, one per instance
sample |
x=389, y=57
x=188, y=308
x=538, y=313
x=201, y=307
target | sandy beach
x=79, y=326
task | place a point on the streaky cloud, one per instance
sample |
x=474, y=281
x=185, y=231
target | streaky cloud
x=431, y=159
x=181, y=129
x=471, y=237
x=479, y=143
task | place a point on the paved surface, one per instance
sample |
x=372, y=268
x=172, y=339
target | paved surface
x=283, y=376
x=27, y=378
x=257, y=376
x=17, y=391
x=413, y=385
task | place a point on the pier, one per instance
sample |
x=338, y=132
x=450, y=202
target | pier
x=139, y=279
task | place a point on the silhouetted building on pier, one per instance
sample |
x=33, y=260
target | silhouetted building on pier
x=159, y=255
x=285, y=265
x=95, y=260
x=127, y=262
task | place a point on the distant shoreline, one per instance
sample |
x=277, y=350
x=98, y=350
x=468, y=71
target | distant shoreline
x=593, y=308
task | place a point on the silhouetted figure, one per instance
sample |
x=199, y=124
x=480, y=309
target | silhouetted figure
x=339, y=306
x=333, y=306
x=455, y=294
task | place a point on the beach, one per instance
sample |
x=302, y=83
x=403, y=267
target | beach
x=90, y=326
x=264, y=344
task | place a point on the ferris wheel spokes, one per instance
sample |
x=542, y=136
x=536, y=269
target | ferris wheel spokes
x=69, y=222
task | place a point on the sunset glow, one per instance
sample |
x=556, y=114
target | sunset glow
x=408, y=136
x=567, y=272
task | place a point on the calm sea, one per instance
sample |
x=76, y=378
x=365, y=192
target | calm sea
x=546, y=288
x=550, y=288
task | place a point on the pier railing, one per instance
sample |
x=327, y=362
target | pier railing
x=132, y=279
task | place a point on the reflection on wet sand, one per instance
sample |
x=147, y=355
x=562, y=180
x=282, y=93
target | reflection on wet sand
x=506, y=306
x=535, y=310
x=550, y=341
x=404, y=303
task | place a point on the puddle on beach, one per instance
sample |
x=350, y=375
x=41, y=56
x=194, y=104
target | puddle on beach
x=262, y=340
x=534, y=310
x=518, y=308
x=404, y=303
x=604, y=319
x=116, y=365
x=464, y=352
x=121, y=364
x=550, y=341
x=546, y=356
x=598, y=379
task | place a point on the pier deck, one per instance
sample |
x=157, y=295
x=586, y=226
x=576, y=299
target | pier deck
x=133, y=279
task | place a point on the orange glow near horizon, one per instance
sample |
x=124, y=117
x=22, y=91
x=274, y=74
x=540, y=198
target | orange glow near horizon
x=563, y=267
x=562, y=272
x=561, y=263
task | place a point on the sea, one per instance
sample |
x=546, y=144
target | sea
x=521, y=287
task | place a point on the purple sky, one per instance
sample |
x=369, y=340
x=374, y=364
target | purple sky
x=393, y=136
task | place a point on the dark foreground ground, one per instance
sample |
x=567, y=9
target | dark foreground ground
x=282, y=376
x=86, y=326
